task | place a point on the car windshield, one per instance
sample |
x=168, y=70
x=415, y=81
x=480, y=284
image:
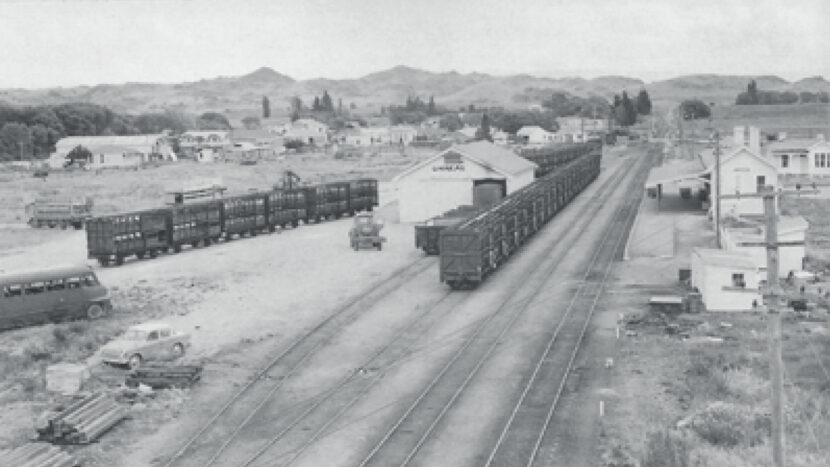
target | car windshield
x=135, y=335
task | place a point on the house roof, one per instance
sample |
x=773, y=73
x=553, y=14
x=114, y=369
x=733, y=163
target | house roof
x=786, y=224
x=91, y=142
x=252, y=134
x=727, y=259
x=675, y=172
x=795, y=145
x=531, y=129
x=485, y=153
x=707, y=157
x=114, y=149
x=206, y=133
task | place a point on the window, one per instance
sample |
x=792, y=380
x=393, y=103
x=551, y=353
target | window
x=738, y=280
x=13, y=290
x=102, y=158
x=760, y=181
x=90, y=280
x=154, y=335
x=165, y=333
x=822, y=160
x=73, y=282
x=785, y=160
x=35, y=288
x=55, y=284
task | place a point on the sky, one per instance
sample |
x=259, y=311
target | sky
x=50, y=43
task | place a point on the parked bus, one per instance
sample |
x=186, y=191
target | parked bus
x=51, y=295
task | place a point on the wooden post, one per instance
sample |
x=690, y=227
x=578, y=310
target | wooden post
x=717, y=189
x=774, y=318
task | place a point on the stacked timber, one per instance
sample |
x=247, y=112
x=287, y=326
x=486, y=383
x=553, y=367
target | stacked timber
x=82, y=422
x=159, y=376
x=36, y=455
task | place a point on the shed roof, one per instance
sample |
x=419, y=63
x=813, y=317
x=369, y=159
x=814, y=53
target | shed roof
x=727, y=259
x=93, y=143
x=675, y=172
x=485, y=153
x=708, y=157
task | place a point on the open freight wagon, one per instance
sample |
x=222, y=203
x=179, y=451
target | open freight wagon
x=428, y=234
x=472, y=250
x=112, y=238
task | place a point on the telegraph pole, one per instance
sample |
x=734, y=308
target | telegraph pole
x=717, y=187
x=774, y=317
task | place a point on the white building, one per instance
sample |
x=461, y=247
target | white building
x=402, y=134
x=751, y=241
x=535, y=135
x=478, y=173
x=114, y=151
x=308, y=131
x=727, y=280
x=801, y=156
x=742, y=170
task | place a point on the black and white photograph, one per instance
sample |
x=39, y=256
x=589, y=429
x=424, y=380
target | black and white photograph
x=414, y=233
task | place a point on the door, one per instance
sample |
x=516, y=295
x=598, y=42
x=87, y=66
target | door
x=488, y=192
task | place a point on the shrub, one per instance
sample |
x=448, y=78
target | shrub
x=726, y=424
x=665, y=449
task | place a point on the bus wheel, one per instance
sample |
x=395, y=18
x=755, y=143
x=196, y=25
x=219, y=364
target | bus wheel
x=153, y=253
x=95, y=311
x=206, y=242
x=134, y=362
x=104, y=261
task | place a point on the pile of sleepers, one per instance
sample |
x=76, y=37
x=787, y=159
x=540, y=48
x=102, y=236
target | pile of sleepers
x=160, y=376
x=36, y=455
x=82, y=422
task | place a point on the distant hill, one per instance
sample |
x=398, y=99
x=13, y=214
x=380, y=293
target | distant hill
x=242, y=94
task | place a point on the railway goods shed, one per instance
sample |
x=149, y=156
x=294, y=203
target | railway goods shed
x=478, y=174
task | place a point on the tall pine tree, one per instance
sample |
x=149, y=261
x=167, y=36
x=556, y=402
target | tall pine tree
x=483, y=132
x=643, y=103
x=326, y=103
x=266, y=107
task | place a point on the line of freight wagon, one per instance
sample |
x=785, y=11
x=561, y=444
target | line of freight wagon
x=548, y=159
x=473, y=249
x=112, y=238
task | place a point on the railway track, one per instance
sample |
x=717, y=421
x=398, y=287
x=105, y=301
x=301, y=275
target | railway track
x=223, y=427
x=288, y=442
x=521, y=437
x=414, y=427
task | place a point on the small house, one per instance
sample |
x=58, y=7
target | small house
x=535, y=135
x=747, y=237
x=727, y=280
x=801, y=156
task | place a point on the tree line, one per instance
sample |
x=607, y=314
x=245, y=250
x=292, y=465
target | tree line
x=625, y=110
x=755, y=96
x=32, y=131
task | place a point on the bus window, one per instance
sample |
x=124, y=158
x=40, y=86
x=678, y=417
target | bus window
x=55, y=284
x=12, y=290
x=35, y=288
x=73, y=282
x=90, y=280
x=154, y=335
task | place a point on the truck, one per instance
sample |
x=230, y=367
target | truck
x=365, y=233
x=59, y=212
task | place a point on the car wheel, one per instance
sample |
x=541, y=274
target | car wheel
x=95, y=311
x=134, y=362
x=178, y=350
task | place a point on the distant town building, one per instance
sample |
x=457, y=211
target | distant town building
x=114, y=151
x=402, y=134
x=308, y=131
x=192, y=142
x=535, y=135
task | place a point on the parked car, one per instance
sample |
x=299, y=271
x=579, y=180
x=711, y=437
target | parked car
x=147, y=341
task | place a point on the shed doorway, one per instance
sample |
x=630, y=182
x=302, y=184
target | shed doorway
x=488, y=191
